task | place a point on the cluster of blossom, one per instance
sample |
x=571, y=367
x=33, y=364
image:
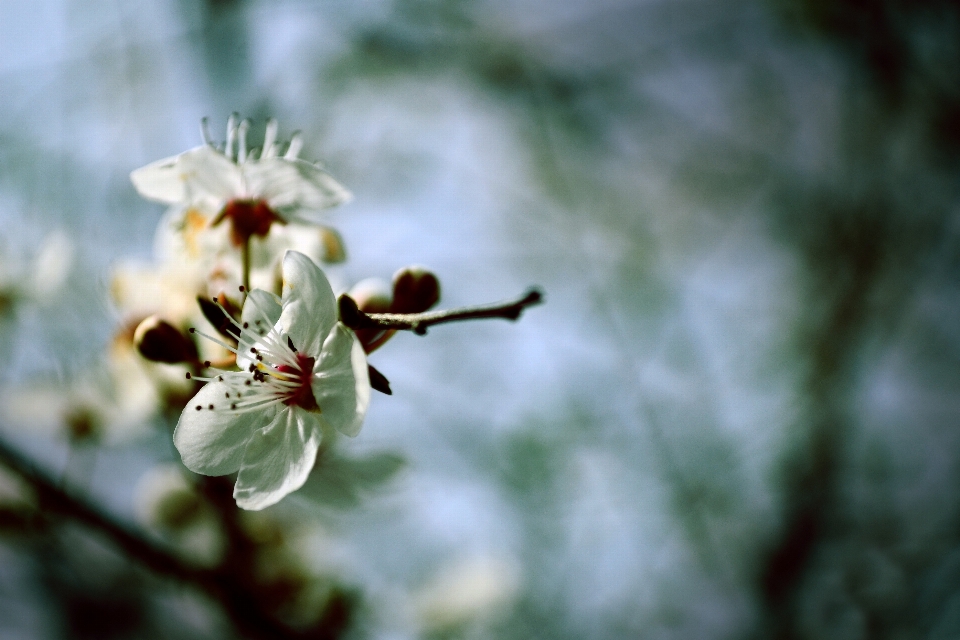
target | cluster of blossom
x=240, y=306
x=235, y=333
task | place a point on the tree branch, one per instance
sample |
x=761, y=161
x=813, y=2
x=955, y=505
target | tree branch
x=351, y=316
x=218, y=584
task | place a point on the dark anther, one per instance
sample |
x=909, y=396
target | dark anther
x=252, y=367
x=233, y=406
x=211, y=407
x=188, y=375
x=192, y=330
x=220, y=378
x=242, y=289
x=199, y=407
x=247, y=383
x=259, y=357
x=227, y=395
x=290, y=344
x=206, y=363
x=253, y=349
x=246, y=325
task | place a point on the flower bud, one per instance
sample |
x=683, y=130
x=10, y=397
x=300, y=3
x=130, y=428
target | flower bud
x=160, y=341
x=415, y=289
x=333, y=249
x=215, y=313
x=371, y=295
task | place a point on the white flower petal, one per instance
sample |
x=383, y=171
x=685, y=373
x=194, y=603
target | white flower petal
x=309, y=306
x=277, y=459
x=202, y=177
x=293, y=185
x=51, y=267
x=261, y=311
x=159, y=181
x=210, y=179
x=341, y=381
x=212, y=442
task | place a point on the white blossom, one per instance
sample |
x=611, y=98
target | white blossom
x=301, y=373
x=37, y=279
x=249, y=189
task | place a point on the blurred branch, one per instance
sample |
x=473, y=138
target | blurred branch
x=219, y=584
x=420, y=322
x=850, y=258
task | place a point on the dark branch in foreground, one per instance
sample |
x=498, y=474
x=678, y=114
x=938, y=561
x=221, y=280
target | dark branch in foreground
x=351, y=316
x=53, y=499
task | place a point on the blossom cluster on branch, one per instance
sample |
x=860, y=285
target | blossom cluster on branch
x=250, y=314
x=241, y=344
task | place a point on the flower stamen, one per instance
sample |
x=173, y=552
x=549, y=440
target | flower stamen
x=278, y=375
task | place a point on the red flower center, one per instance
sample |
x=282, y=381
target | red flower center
x=248, y=218
x=302, y=396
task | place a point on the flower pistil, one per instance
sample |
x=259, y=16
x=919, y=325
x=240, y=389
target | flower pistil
x=276, y=372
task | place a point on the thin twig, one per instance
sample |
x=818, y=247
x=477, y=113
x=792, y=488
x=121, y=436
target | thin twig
x=420, y=322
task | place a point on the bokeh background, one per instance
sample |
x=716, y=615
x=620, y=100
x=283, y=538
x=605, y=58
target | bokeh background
x=736, y=416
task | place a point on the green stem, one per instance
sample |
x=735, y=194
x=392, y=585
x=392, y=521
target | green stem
x=245, y=252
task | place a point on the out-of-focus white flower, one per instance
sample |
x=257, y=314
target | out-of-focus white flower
x=110, y=403
x=302, y=372
x=15, y=493
x=168, y=290
x=225, y=271
x=38, y=279
x=138, y=389
x=169, y=505
x=111, y=400
x=469, y=589
x=51, y=265
x=235, y=184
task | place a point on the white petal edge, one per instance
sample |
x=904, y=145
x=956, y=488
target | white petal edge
x=261, y=306
x=278, y=459
x=212, y=442
x=210, y=179
x=309, y=306
x=159, y=181
x=291, y=185
x=341, y=381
